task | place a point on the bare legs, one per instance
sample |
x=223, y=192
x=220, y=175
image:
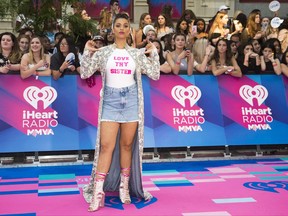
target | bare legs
x=108, y=136
x=128, y=131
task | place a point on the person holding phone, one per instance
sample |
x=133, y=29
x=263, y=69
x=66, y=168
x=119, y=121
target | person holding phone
x=60, y=65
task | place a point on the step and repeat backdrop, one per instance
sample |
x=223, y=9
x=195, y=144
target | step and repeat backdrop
x=200, y=110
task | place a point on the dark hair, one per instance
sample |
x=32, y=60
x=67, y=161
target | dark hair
x=190, y=13
x=15, y=55
x=242, y=47
x=284, y=24
x=283, y=60
x=178, y=26
x=71, y=45
x=229, y=53
x=57, y=34
x=113, y=1
x=272, y=41
x=200, y=20
x=179, y=34
x=161, y=57
x=121, y=16
x=268, y=44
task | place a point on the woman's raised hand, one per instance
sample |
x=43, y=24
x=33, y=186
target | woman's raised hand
x=90, y=45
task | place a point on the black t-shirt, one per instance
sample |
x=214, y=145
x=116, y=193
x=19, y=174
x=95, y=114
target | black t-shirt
x=56, y=62
x=252, y=67
x=3, y=60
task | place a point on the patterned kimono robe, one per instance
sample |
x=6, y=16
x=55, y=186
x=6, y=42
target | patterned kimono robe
x=144, y=65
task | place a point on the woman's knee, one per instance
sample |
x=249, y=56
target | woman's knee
x=127, y=146
x=107, y=147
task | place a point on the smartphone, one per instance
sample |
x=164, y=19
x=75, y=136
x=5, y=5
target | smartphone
x=194, y=28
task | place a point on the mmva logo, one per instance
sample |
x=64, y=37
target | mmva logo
x=33, y=94
x=258, y=92
x=180, y=94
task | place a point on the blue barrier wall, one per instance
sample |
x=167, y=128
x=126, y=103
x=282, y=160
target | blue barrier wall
x=198, y=110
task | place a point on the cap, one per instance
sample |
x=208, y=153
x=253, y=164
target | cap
x=148, y=28
x=98, y=37
x=224, y=7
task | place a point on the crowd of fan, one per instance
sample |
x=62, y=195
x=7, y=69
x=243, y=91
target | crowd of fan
x=234, y=46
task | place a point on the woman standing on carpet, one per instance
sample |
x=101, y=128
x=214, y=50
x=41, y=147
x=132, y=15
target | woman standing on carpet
x=119, y=143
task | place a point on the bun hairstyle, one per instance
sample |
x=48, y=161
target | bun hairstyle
x=122, y=15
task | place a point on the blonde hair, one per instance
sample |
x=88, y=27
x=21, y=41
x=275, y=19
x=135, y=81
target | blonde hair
x=199, y=49
x=217, y=23
x=30, y=53
x=105, y=20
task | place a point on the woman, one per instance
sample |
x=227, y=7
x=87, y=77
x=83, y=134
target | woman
x=201, y=28
x=24, y=41
x=218, y=29
x=167, y=10
x=164, y=66
x=248, y=60
x=10, y=55
x=180, y=58
x=59, y=64
x=284, y=63
x=161, y=27
x=202, y=52
x=256, y=46
x=145, y=19
x=35, y=62
x=121, y=67
x=283, y=35
x=269, y=61
x=253, y=28
x=223, y=61
x=182, y=26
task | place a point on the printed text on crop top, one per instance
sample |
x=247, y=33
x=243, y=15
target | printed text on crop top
x=120, y=69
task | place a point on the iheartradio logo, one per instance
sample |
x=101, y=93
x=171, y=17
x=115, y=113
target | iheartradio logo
x=33, y=94
x=257, y=92
x=180, y=94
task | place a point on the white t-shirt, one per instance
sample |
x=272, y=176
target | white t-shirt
x=120, y=69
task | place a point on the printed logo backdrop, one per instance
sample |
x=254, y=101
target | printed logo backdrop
x=198, y=110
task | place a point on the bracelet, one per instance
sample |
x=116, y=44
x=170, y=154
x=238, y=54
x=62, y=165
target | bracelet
x=37, y=73
x=274, y=64
x=177, y=63
x=60, y=71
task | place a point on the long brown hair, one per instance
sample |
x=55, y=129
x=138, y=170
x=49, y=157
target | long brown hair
x=228, y=54
x=252, y=26
x=15, y=54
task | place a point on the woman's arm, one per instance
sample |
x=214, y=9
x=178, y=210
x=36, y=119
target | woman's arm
x=190, y=63
x=276, y=66
x=165, y=68
x=150, y=65
x=203, y=66
x=14, y=67
x=217, y=71
x=90, y=60
x=26, y=72
x=237, y=71
x=262, y=63
x=138, y=39
x=284, y=69
x=175, y=66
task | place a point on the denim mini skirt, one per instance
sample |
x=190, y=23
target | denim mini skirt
x=120, y=104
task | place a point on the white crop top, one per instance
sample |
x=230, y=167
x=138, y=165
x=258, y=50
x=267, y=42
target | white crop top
x=120, y=69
